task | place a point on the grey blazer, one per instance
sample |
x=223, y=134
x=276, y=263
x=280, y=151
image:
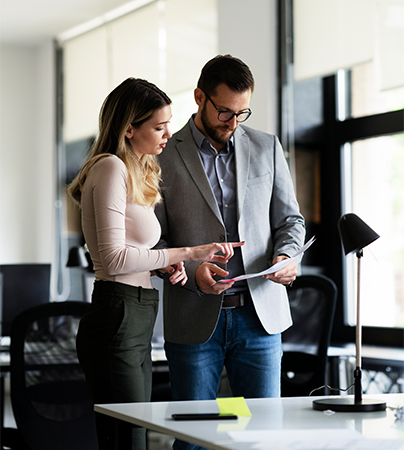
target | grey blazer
x=268, y=220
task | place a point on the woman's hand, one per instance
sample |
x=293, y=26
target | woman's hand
x=208, y=252
x=177, y=273
x=203, y=253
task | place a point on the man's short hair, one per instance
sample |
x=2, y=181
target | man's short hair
x=231, y=71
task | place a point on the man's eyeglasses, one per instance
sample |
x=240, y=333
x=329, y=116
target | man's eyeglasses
x=225, y=116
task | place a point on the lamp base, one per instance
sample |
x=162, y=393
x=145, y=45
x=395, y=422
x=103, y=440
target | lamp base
x=348, y=404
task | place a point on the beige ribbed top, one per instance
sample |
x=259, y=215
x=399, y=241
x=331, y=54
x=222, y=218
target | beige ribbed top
x=119, y=234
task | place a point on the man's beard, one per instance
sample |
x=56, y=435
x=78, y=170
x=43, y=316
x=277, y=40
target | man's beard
x=212, y=131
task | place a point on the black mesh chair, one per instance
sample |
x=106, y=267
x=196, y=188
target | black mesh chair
x=304, y=364
x=51, y=404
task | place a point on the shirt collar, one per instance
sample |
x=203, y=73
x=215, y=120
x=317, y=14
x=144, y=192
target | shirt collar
x=202, y=141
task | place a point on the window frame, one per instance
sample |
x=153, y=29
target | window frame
x=339, y=133
x=329, y=138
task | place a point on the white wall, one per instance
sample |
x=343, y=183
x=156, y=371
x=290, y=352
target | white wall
x=26, y=153
x=248, y=30
x=27, y=123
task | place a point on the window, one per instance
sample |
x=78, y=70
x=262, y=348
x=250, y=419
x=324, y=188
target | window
x=368, y=98
x=152, y=41
x=374, y=190
x=344, y=130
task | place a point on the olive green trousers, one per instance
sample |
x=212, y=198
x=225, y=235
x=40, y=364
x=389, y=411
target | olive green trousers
x=114, y=350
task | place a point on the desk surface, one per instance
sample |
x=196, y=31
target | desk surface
x=393, y=354
x=369, y=352
x=270, y=419
x=157, y=354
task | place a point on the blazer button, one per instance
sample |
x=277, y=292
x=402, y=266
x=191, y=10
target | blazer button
x=222, y=238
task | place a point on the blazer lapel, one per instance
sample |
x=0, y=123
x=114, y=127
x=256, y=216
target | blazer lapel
x=188, y=152
x=243, y=154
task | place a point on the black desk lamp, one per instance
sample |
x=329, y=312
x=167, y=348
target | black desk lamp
x=355, y=235
x=78, y=257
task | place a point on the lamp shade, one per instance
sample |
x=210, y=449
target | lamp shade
x=77, y=257
x=354, y=233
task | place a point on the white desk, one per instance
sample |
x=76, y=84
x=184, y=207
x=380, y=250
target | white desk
x=282, y=415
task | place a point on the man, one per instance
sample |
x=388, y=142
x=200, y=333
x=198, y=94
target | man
x=223, y=181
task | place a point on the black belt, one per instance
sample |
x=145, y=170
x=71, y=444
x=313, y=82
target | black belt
x=236, y=300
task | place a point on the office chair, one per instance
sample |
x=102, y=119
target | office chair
x=305, y=344
x=51, y=404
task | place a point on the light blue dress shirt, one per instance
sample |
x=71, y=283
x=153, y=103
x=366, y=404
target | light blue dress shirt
x=220, y=169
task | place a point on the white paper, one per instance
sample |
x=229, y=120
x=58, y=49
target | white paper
x=278, y=266
x=315, y=439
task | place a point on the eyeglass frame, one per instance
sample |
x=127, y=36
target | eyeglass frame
x=247, y=111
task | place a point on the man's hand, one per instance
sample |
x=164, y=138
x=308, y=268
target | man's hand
x=205, y=281
x=284, y=276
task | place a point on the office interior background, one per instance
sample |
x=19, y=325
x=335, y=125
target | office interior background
x=329, y=82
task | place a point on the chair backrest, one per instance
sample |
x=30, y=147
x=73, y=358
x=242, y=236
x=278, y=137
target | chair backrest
x=312, y=301
x=51, y=403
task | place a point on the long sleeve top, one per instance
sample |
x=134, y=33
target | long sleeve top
x=119, y=233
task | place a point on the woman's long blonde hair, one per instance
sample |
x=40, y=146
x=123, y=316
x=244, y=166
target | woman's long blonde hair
x=133, y=102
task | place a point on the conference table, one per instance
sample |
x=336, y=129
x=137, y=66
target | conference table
x=274, y=424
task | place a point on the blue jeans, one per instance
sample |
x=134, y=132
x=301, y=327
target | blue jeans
x=251, y=356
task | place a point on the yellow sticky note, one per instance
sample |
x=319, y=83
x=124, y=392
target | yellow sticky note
x=233, y=405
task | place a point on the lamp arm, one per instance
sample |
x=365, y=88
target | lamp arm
x=358, y=372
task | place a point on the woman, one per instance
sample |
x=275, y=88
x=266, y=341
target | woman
x=117, y=189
